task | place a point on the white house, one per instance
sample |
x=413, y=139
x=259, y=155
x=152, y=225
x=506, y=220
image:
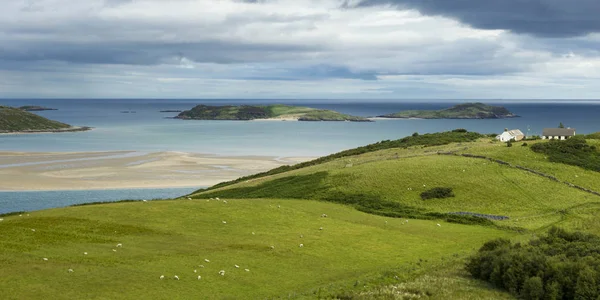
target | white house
x=558, y=133
x=510, y=135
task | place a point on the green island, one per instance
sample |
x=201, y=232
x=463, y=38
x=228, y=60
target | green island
x=35, y=108
x=461, y=111
x=262, y=112
x=452, y=215
x=17, y=120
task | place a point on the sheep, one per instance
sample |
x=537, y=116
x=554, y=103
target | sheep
x=84, y=253
x=114, y=250
x=176, y=277
x=278, y=206
x=119, y=245
x=301, y=236
x=1, y=220
x=439, y=225
x=199, y=277
x=162, y=277
x=324, y=216
x=222, y=272
x=20, y=215
x=225, y=201
x=189, y=198
x=320, y=228
x=237, y=267
x=71, y=271
x=144, y=200
x=217, y=199
x=272, y=247
x=33, y=230
x=195, y=271
x=247, y=270
x=301, y=245
x=224, y=222
x=206, y=260
x=201, y=266
x=45, y=259
x=253, y=233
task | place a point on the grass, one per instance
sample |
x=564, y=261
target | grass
x=174, y=238
x=13, y=120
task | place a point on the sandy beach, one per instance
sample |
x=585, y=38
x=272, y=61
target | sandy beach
x=126, y=169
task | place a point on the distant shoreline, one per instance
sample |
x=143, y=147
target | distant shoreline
x=71, y=129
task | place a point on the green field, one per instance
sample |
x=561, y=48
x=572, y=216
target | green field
x=418, y=253
x=14, y=120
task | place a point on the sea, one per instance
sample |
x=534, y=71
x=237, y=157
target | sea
x=139, y=125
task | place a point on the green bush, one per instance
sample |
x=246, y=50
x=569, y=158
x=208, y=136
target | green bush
x=509, y=143
x=437, y=193
x=574, y=151
x=559, y=265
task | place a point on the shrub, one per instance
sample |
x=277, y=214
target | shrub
x=524, y=145
x=437, y=193
x=559, y=265
x=415, y=134
x=509, y=143
x=574, y=151
x=460, y=130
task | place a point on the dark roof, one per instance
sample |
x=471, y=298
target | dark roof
x=559, y=132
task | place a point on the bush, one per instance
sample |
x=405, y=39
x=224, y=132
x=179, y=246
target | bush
x=524, y=145
x=509, y=143
x=559, y=265
x=437, y=193
x=415, y=134
x=460, y=130
x=574, y=151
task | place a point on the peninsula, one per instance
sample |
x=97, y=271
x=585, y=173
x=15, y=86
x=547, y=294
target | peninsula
x=16, y=120
x=35, y=108
x=461, y=111
x=265, y=112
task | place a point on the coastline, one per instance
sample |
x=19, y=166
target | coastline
x=64, y=130
x=51, y=171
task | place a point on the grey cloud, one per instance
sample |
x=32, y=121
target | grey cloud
x=545, y=18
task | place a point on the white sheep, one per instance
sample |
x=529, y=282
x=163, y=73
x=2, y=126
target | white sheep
x=114, y=250
x=324, y=216
x=301, y=245
x=225, y=201
x=237, y=267
x=1, y=220
x=176, y=277
x=247, y=270
x=222, y=272
x=119, y=245
x=144, y=200
x=320, y=228
x=218, y=199
x=439, y=225
x=195, y=271
x=201, y=266
x=199, y=277
x=33, y=230
x=84, y=253
x=272, y=247
x=71, y=271
x=206, y=260
x=45, y=259
x=224, y=222
x=162, y=277
x=253, y=233
x=189, y=198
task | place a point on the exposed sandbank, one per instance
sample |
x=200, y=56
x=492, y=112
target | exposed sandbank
x=126, y=169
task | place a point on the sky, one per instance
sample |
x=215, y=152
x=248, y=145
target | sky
x=300, y=49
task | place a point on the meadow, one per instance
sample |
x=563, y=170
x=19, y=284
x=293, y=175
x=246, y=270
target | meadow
x=315, y=231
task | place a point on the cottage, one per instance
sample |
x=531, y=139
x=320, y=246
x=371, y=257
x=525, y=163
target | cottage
x=558, y=133
x=510, y=135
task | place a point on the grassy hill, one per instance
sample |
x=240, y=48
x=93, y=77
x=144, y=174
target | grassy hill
x=17, y=120
x=256, y=112
x=365, y=231
x=461, y=111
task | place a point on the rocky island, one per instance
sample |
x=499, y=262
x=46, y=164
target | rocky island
x=461, y=111
x=16, y=120
x=35, y=108
x=265, y=112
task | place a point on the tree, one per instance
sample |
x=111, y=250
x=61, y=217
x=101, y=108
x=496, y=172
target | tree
x=509, y=143
x=553, y=291
x=561, y=125
x=533, y=288
x=586, y=287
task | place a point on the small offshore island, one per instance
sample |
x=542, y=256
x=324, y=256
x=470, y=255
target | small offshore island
x=461, y=111
x=265, y=112
x=16, y=120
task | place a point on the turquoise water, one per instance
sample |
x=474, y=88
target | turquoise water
x=148, y=130
x=37, y=200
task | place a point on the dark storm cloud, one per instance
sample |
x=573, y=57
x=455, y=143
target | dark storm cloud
x=545, y=18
